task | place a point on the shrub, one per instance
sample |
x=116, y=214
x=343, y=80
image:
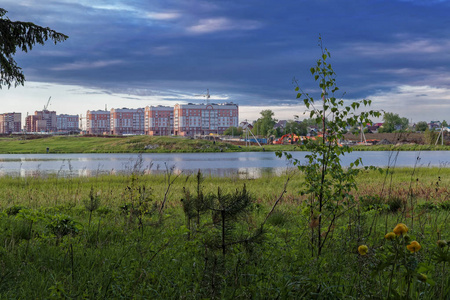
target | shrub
x=14, y=210
x=395, y=204
x=61, y=225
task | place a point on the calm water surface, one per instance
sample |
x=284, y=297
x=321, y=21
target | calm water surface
x=243, y=164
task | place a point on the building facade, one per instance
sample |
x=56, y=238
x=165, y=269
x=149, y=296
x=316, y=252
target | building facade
x=10, y=122
x=203, y=119
x=158, y=120
x=127, y=121
x=41, y=121
x=68, y=123
x=98, y=122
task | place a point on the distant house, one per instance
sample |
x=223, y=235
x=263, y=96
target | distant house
x=434, y=125
x=246, y=125
x=280, y=124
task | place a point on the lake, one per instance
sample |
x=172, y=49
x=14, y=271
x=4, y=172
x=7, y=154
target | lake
x=242, y=164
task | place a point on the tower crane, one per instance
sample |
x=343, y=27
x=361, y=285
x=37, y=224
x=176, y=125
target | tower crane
x=207, y=96
x=48, y=102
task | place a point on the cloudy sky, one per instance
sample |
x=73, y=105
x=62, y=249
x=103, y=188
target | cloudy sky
x=134, y=53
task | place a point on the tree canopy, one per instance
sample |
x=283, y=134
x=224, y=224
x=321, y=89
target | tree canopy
x=421, y=126
x=233, y=131
x=19, y=35
x=295, y=127
x=393, y=122
x=264, y=125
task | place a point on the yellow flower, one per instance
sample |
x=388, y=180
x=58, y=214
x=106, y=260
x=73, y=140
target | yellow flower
x=363, y=249
x=414, y=246
x=400, y=229
x=390, y=236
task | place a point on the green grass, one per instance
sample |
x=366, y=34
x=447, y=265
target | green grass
x=80, y=144
x=48, y=250
x=403, y=147
x=148, y=144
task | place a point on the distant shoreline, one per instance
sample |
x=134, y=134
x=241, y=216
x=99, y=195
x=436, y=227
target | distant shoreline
x=164, y=144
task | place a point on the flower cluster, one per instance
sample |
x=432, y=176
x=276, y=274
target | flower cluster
x=401, y=230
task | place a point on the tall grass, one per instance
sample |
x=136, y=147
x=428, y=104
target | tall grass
x=53, y=244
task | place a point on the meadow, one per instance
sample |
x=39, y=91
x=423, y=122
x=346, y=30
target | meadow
x=184, y=236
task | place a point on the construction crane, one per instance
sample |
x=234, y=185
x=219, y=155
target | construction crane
x=207, y=95
x=48, y=102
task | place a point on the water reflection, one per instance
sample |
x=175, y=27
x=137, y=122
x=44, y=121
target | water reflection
x=242, y=165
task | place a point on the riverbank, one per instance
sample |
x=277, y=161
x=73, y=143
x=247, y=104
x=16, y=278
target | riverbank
x=39, y=144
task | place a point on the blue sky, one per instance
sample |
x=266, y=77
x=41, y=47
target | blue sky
x=145, y=52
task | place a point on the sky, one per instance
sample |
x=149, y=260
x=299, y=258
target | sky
x=134, y=53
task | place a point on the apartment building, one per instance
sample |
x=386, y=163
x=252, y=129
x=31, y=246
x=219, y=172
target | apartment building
x=194, y=119
x=10, y=122
x=98, y=122
x=159, y=120
x=41, y=121
x=127, y=121
x=68, y=123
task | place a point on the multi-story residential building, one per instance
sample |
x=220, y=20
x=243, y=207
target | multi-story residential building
x=193, y=119
x=41, y=121
x=10, y=122
x=68, y=123
x=159, y=120
x=98, y=122
x=127, y=121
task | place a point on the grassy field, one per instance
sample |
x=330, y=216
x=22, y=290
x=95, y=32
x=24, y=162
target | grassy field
x=167, y=237
x=116, y=144
x=147, y=144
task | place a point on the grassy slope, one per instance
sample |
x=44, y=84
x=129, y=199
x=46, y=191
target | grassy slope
x=80, y=144
x=74, y=144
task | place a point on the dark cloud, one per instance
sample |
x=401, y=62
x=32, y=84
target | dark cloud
x=248, y=51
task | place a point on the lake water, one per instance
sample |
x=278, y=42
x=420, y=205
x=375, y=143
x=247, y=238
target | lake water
x=243, y=164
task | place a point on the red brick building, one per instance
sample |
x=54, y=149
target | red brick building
x=127, y=121
x=159, y=120
x=98, y=122
x=67, y=123
x=202, y=119
x=10, y=122
x=41, y=121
